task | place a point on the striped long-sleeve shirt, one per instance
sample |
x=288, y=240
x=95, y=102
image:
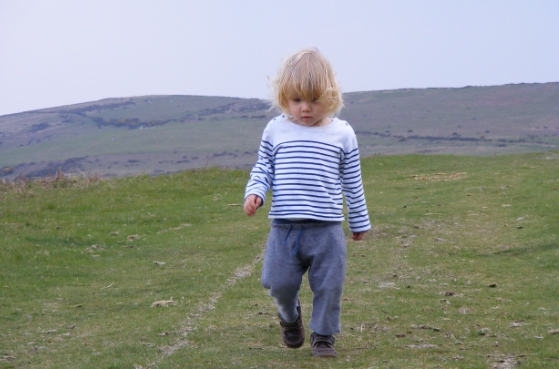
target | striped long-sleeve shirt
x=308, y=169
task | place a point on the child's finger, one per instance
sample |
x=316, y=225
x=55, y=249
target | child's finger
x=249, y=211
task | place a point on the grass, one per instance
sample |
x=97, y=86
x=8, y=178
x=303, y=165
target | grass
x=460, y=271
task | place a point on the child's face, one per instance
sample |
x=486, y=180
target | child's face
x=307, y=113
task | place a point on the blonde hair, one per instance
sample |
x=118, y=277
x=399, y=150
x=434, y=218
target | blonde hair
x=309, y=76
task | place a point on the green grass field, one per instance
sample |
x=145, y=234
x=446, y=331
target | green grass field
x=461, y=270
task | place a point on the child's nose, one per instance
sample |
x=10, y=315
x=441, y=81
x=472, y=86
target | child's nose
x=305, y=106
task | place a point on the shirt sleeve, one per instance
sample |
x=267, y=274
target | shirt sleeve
x=352, y=188
x=262, y=174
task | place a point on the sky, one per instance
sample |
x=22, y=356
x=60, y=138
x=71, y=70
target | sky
x=62, y=52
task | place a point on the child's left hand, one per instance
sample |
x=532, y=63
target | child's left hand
x=358, y=236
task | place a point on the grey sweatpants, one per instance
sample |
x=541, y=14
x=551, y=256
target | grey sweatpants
x=293, y=248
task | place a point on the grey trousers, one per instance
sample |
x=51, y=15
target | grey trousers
x=293, y=248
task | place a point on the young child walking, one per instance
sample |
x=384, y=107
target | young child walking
x=308, y=158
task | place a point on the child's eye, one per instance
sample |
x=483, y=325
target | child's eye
x=297, y=99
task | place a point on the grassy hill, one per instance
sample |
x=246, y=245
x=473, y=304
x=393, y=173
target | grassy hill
x=164, y=134
x=460, y=270
x=469, y=120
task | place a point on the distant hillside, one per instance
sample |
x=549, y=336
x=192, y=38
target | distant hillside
x=469, y=120
x=162, y=134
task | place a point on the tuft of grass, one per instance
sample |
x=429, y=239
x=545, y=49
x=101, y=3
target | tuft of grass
x=460, y=271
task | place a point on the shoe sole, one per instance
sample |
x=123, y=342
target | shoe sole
x=324, y=355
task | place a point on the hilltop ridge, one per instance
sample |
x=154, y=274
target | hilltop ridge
x=163, y=134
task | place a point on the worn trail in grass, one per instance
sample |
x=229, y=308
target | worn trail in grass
x=81, y=266
x=460, y=271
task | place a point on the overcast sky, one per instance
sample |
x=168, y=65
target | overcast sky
x=60, y=52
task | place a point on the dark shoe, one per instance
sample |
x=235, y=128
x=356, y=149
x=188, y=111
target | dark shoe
x=322, y=346
x=293, y=334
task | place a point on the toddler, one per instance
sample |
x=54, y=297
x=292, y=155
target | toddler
x=308, y=158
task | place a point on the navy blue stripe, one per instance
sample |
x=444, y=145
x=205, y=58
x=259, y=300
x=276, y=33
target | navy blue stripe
x=291, y=194
x=294, y=214
x=314, y=143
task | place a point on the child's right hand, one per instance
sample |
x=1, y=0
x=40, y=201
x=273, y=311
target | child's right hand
x=252, y=203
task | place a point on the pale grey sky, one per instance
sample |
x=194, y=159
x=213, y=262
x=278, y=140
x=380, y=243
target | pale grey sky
x=60, y=52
